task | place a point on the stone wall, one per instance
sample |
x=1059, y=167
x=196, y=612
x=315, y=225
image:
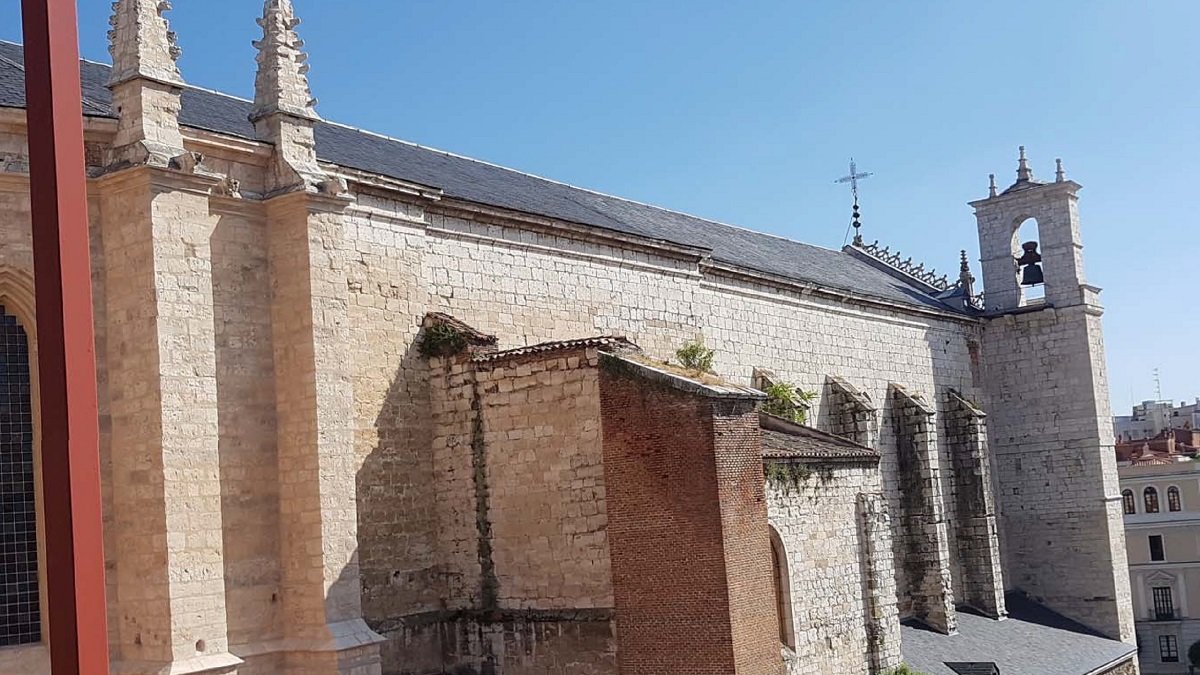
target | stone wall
x=527, y=284
x=1051, y=436
x=520, y=514
x=829, y=559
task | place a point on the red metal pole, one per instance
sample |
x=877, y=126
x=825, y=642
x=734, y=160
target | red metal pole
x=66, y=344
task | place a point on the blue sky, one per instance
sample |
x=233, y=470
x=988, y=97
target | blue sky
x=747, y=112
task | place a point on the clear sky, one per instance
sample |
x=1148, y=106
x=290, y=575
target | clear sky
x=747, y=112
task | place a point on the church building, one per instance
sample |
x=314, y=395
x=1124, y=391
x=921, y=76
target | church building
x=371, y=408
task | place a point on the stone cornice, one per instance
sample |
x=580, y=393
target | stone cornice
x=803, y=288
x=307, y=202
x=497, y=216
x=1070, y=187
x=157, y=178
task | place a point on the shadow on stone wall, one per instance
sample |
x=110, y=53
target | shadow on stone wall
x=405, y=591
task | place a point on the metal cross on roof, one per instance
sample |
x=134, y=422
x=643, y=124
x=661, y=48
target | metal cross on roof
x=853, y=179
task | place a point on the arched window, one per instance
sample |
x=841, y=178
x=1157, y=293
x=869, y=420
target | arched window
x=1127, y=500
x=20, y=600
x=1173, y=501
x=783, y=590
x=1150, y=498
x=1028, y=258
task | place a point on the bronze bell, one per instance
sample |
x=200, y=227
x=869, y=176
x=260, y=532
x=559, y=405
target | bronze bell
x=1031, y=271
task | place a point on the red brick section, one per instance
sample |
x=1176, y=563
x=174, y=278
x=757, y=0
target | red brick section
x=687, y=529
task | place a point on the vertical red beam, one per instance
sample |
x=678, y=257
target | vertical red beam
x=66, y=345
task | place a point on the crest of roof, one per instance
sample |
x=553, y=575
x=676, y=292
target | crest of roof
x=609, y=343
x=479, y=182
x=783, y=439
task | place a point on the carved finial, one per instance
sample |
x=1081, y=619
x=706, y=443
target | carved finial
x=142, y=43
x=965, y=278
x=1059, y=174
x=992, y=189
x=282, y=82
x=1023, y=172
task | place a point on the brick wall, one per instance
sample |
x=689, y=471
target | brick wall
x=691, y=557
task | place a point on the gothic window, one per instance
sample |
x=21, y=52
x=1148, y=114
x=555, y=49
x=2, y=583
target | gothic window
x=1164, y=605
x=20, y=608
x=1168, y=649
x=783, y=590
x=1150, y=497
x=1128, y=501
x=1157, y=554
x=1173, y=502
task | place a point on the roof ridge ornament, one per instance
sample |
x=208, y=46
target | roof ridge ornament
x=281, y=84
x=884, y=255
x=142, y=43
x=1024, y=173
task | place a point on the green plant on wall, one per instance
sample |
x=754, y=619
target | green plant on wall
x=786, y=401
x=695, y=356
x=442, y=340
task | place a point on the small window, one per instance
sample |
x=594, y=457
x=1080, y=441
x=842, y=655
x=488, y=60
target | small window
x=1156, y=548
x=1164, y=605
x=1168, y=649
x=1128, y=502
x=1150, y=497
x=1173, y=501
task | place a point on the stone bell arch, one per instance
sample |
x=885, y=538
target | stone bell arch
x=1044, y=372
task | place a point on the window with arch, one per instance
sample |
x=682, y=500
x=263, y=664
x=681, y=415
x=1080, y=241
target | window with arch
x=1150, y=500
x=20, y=599
x=1174, y=503
x=1028, y=259
x=783, y=590
x=1128, y=502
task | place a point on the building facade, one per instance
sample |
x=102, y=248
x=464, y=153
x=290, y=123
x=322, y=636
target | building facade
x=1162, y=530
x=1151, y=418
x=367, y=407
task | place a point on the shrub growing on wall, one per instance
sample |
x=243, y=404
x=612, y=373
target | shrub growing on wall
x=695, y=356
x=786, y=401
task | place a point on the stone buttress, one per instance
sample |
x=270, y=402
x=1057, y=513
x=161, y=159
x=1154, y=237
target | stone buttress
x=975, y=529
x=882, y=615
x=928, y=595
x=324, y=629
x=154, y=201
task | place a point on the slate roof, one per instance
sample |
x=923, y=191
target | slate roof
x=1033, y=640
x=482, y=183
x=782, y=439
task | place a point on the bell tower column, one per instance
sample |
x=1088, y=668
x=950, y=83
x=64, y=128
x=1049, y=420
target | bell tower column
x=325, y=631
x=170, y=613
x=1050, y=427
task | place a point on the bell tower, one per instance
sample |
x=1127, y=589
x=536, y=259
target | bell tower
x=1014, y=265
x=1050, y=421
